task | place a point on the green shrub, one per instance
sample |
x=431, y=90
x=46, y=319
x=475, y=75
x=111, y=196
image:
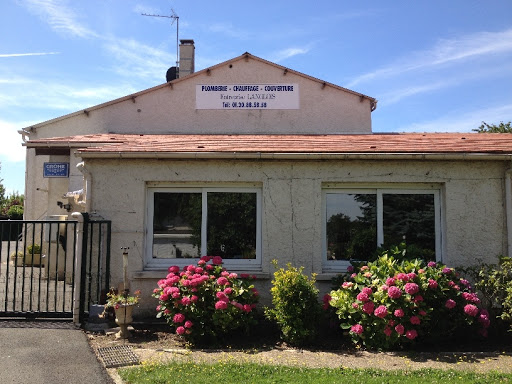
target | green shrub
x=388, y=303
x=494, y=284
x=400, y=252
x=507, y=305
x=34, y=248
x=15, y=212
x=296, y=308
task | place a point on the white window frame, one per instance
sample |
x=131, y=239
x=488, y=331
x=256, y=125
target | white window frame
x=232, y=264
x=341, y=265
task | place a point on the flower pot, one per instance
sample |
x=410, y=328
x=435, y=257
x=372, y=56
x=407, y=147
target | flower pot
x=33, y=259
x=27, y=259
x=124, y=319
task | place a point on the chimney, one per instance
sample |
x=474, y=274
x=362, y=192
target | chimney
x=187, y=54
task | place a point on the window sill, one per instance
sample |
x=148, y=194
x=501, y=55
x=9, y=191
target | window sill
x=161, y=273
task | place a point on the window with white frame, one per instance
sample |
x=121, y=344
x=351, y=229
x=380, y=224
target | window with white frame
x=186, y=223
x=357, y=221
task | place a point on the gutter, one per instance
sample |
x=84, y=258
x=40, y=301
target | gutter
x=88, y=186
x=24, y=133
x=294, y=156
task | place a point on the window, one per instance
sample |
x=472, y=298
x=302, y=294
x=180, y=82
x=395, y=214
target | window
x=357, y=221
x=186, y=223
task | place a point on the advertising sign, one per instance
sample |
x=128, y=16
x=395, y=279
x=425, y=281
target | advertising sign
x=247, y=96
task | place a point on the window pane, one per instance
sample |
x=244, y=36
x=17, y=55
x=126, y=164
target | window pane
x=410, y=218
x=231, y=228
x=176, y=225
x=351, y=226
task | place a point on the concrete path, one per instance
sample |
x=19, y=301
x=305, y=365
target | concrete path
x=47, y=352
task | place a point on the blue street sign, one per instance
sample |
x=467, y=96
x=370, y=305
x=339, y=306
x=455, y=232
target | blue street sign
x=56, y=170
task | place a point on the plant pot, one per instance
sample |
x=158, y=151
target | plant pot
x=33, y=259
x=27, y=259
x=124, y=319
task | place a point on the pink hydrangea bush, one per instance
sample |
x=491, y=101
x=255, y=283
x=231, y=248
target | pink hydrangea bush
x=386, y=303
x=204, y=302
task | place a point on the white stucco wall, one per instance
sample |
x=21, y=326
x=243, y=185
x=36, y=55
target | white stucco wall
x=36, y=187
x=42, y=193
x=472, y=198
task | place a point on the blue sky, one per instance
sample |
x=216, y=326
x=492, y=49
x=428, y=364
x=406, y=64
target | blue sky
x=434, y=66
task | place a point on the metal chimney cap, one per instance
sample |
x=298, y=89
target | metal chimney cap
x=185, y=41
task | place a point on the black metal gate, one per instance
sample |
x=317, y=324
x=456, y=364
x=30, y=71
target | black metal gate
x=95, y=263
x=41, y=274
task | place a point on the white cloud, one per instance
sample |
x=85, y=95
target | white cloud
x=326, y=19
x=287, y=53
x=229, y=30
x=14, y=80
x=397, y=95
x=466, y=122
x=483, y=43
x=11, y=142
x=446, y=51
x=28, y=54
x=48, y=95
x=140, y=8
x=60, y=17
x=142, y=61
x=100, y=93
x=441, y=81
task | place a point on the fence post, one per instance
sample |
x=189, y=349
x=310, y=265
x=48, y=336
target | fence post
x=80, y=250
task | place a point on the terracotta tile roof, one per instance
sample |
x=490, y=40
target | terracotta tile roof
x=395, y=143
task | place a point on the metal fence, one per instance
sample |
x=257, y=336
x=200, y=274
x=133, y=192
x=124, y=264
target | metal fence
x=95, y=263
x=41, y=274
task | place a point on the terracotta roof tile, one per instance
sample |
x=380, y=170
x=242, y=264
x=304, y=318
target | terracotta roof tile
x=403, y=143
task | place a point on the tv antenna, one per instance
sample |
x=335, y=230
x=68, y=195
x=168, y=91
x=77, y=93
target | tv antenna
x=174, y=18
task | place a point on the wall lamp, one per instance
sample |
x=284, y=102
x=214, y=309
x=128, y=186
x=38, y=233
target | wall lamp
x=67, y=207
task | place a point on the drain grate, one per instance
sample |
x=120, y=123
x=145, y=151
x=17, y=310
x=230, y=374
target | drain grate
x=40, y=324
x=118, y=356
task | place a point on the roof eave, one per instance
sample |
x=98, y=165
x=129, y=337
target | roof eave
x=65, y=144
x=294, y=156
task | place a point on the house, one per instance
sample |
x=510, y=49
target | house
x=254, y=161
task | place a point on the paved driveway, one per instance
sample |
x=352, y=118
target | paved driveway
x=47, y=352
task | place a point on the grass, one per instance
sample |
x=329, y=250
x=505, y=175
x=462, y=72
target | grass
x=233, y=372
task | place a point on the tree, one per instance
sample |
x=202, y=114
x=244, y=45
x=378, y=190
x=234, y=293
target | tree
x=493, y=128
x=12, y=205
x=2, y=190
x=353, y=238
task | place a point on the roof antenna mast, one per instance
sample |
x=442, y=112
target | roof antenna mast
x=174, y=18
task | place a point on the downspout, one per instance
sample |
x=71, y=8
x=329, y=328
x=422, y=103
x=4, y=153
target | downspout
x=88, y=186
x=25, y=187
x=25, y=136
x=508, y=208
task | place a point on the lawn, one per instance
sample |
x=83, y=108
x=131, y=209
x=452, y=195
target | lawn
x=233, y=372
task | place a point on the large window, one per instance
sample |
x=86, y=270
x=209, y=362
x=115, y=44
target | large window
x=186, y=223
x=357, y=221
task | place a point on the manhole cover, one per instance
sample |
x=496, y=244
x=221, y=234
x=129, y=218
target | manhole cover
x=118, y=356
